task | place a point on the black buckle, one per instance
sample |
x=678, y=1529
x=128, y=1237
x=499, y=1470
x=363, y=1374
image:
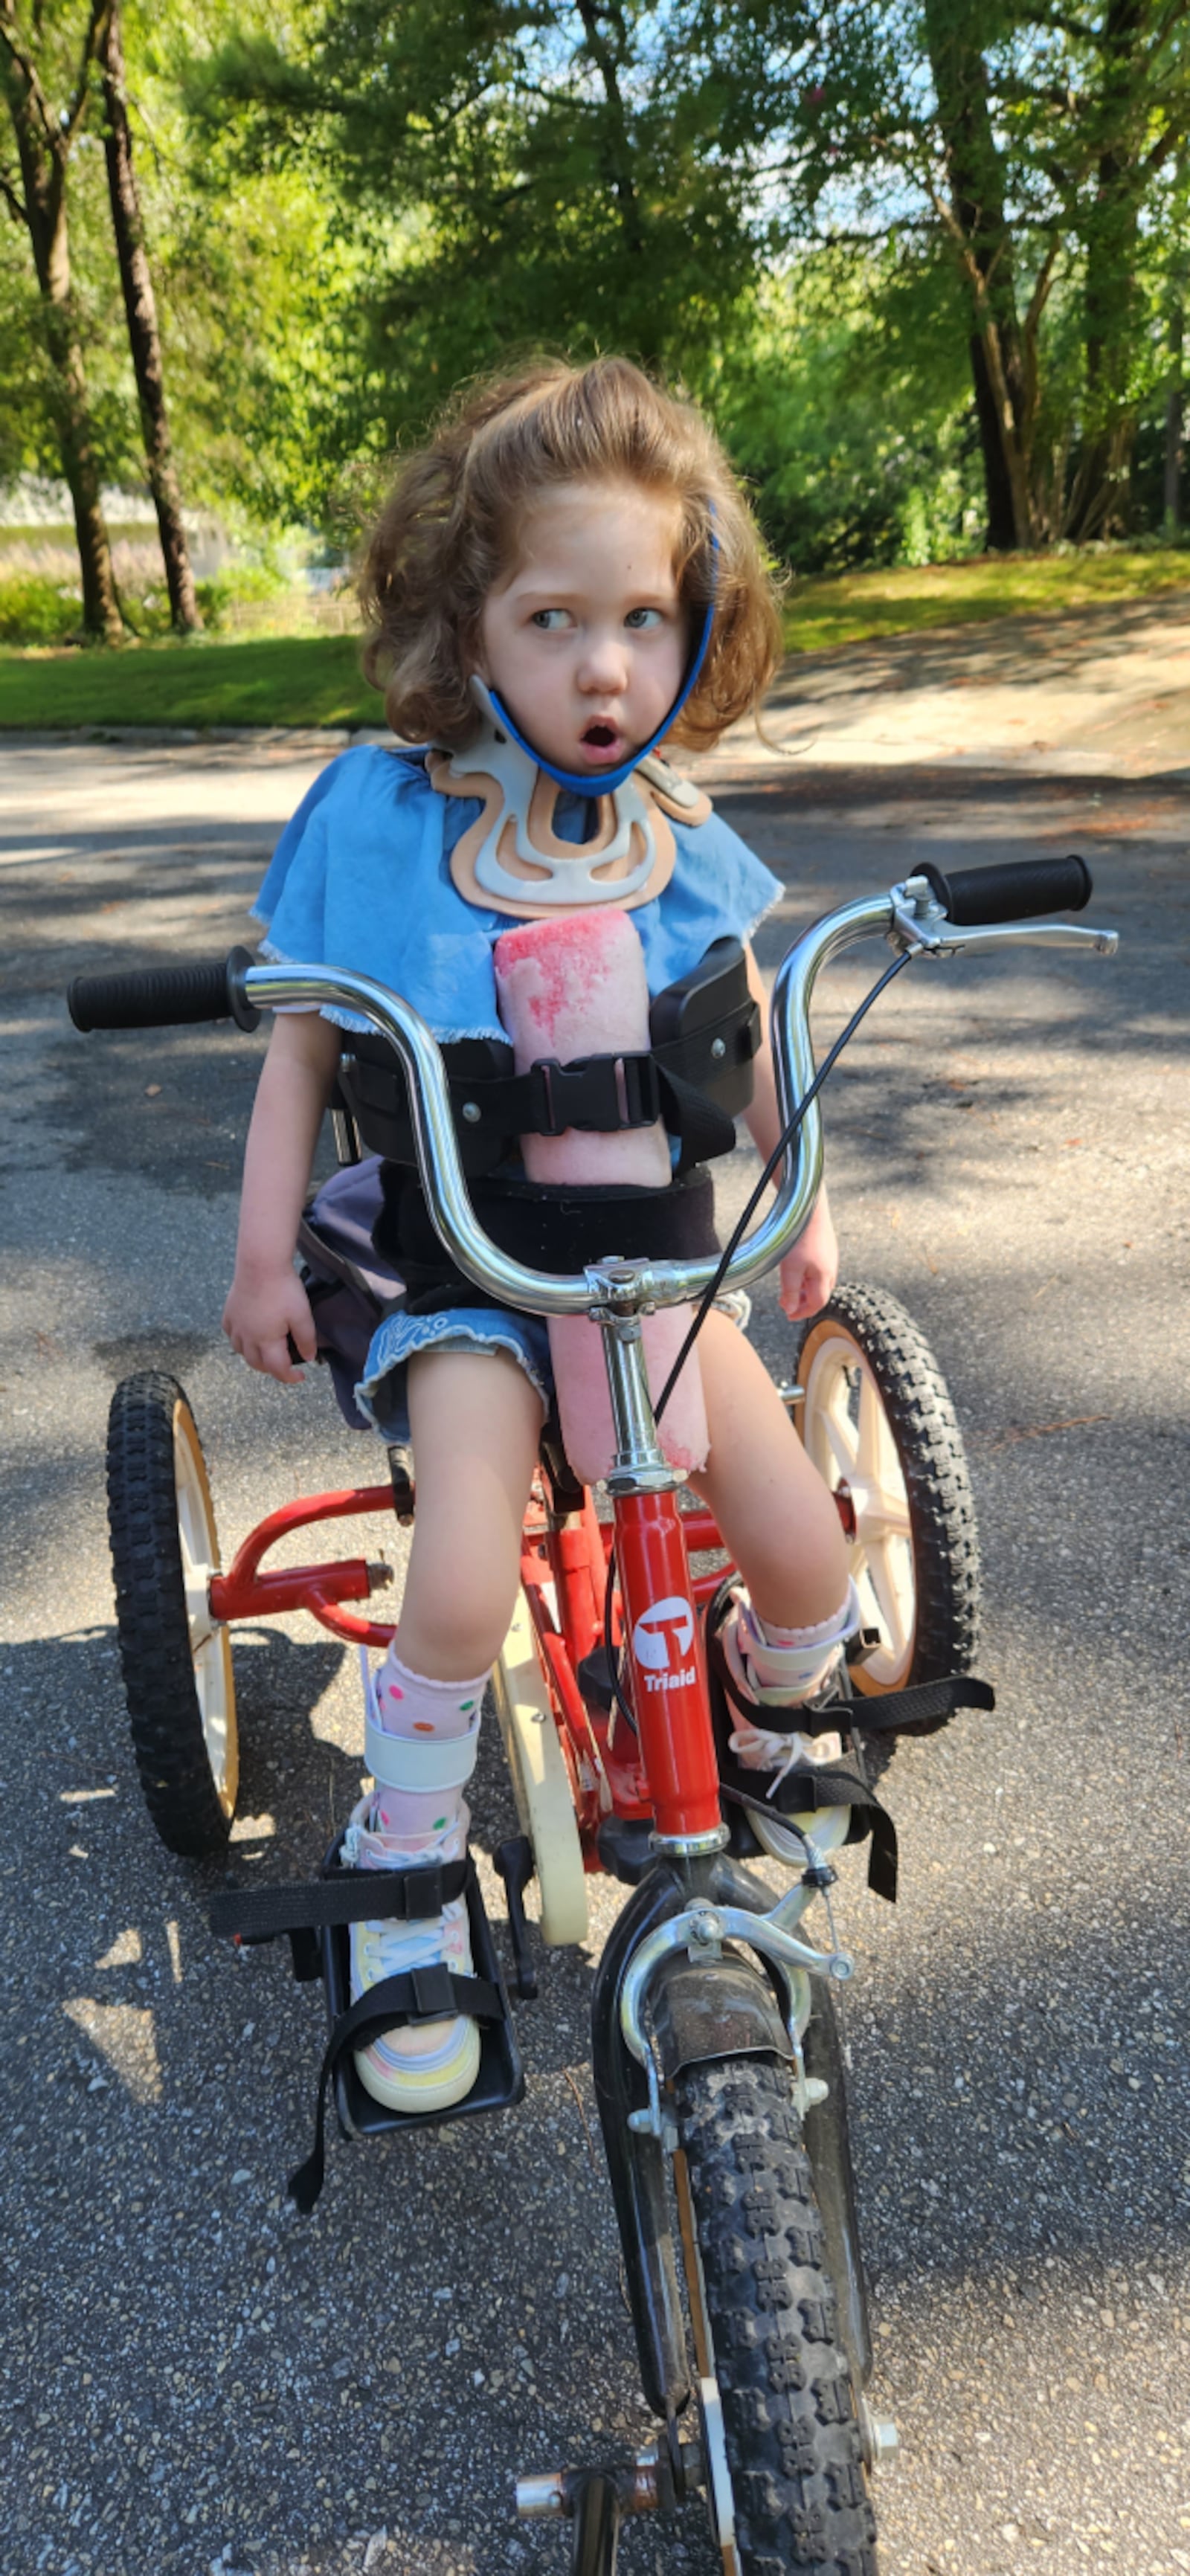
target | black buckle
x=598, y=1093
x=433, y=1994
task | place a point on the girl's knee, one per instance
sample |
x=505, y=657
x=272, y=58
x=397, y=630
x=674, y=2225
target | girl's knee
x=476, y=1423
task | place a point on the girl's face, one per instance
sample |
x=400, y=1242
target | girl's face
x=586, y=639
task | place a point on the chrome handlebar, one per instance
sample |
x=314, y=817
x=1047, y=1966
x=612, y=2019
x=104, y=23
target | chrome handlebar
x=907, y=916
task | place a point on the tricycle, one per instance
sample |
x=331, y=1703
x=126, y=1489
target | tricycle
x=717, y=2066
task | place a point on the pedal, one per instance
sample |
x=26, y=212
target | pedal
x=513, y=1862
x=501, y=2078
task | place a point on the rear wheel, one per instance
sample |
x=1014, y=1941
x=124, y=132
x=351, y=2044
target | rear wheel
x=540, y=1781
x=791, y=2490
x=878, y=1422
x=177, y=1660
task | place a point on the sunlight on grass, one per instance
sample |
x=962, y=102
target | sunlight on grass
x=316, y=679
x=265, y=680
x=852, y=607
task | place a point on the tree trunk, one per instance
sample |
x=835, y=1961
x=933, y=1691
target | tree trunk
x=1000, y=536
x=1175, y=426
x=618, y=156
x=144, y=339
x=1100, y=503
x=1000, y=374
x=43, y=175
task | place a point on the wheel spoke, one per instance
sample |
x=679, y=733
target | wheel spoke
x=896, y=1610
x=840, y=1440
x=876, y=1453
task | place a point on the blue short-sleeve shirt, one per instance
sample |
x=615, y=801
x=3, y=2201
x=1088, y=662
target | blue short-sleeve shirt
x=360, y=878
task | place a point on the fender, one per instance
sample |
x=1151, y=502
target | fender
x=708, y=2008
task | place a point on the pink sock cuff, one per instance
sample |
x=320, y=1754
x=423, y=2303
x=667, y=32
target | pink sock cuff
x=409, y=1703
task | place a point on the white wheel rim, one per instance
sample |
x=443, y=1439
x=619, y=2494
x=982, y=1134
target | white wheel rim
x=541, y=1782
x=848, y=1435
x=208, y=1640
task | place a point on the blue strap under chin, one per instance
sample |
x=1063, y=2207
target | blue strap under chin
x=580, y=782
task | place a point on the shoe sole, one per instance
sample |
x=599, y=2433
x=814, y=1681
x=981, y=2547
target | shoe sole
x=435, y=2090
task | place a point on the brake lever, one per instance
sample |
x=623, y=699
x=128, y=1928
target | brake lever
x=920, y=925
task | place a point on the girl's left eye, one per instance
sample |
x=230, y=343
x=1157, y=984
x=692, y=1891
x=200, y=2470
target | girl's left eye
x=641, y=618
x=548, y=619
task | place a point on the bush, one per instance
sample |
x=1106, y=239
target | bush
x=36, y=609
x=239, y=594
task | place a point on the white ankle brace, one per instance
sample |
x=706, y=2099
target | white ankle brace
x=416, y=1763
x=787, y=1669
x=420, y=1762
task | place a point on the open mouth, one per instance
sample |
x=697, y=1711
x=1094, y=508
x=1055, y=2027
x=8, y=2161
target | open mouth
x=600, y=736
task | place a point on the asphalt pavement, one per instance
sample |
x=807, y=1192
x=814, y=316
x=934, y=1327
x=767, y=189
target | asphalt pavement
x=196, y=2380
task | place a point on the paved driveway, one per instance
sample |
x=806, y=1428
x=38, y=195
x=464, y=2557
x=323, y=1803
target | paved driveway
x=200, y=2380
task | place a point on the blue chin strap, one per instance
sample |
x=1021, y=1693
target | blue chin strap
x=581, y=782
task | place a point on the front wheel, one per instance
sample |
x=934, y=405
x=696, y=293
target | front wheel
x=766, y=2329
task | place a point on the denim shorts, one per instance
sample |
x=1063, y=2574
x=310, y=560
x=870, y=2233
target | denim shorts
x=382, y=1391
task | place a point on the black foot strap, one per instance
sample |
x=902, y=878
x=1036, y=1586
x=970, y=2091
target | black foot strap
x=250, y=1915
x=419, y=1994
x=416, y=1895
x=920, y=1710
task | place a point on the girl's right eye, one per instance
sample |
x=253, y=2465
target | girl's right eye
x=548, y=619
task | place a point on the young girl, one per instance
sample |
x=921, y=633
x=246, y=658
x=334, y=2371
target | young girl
x=568, y=562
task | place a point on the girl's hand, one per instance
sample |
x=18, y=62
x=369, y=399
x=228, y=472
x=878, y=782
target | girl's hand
x=808, y=1273
x=262, y=1310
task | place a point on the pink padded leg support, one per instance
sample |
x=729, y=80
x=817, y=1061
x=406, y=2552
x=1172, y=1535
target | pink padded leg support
x=576, y=987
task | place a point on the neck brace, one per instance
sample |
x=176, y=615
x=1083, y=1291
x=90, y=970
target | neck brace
x=511, y=859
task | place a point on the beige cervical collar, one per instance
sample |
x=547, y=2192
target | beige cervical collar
x=511, y=860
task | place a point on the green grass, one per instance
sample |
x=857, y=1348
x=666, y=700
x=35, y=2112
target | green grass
x=316, y=680
x=269, y=680
x=853, y=607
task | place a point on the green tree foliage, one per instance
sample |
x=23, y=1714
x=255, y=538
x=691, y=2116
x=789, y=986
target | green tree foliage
x=844, y=399
x=506, y=177
x=925, y=263
x=1036, y=143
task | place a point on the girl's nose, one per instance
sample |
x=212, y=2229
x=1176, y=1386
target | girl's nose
x=603, y=664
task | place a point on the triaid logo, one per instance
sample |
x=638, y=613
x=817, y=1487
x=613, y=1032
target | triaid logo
x=665, y=1626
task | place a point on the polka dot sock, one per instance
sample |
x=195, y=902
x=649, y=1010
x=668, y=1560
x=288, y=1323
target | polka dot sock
x=408, y=1703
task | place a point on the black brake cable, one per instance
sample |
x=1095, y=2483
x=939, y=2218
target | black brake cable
x=726, y=1257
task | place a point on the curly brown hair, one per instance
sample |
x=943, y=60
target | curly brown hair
x=447, y=534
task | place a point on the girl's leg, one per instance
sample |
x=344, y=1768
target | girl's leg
x=784, y=1639
x=475, y=1421
x=777, y=1518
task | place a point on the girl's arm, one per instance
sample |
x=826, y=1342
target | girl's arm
x=808, y=1273
x=266, y=1300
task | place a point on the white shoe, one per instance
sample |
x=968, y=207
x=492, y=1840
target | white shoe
x=761, y=1749
x=420, y=2066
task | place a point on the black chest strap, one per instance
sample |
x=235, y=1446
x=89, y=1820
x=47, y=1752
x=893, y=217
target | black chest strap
x=697, y=1077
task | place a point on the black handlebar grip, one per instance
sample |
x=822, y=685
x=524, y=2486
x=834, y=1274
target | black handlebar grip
x=164, y=997
x=1023, y=890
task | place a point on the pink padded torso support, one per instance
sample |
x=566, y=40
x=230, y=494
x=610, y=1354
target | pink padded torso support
x=572, y=987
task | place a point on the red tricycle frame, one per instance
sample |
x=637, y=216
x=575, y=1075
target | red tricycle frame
x=668, y=1768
